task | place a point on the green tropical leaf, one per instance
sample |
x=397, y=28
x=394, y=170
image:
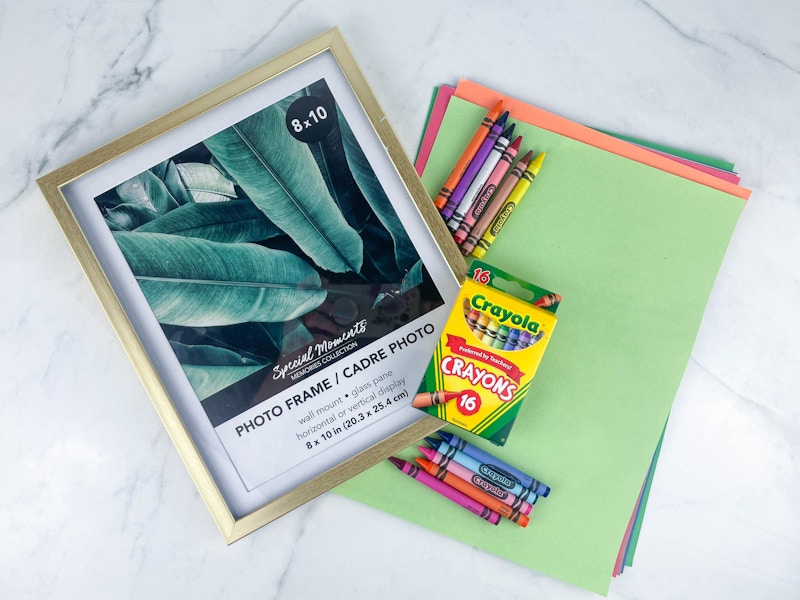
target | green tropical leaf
x=208, y=380
x=173, y=182
x=199, y=283
x=261, y=343
x=145, y=189
x=212, y=356
x=413, y=278
x=280, y=176
x=129, y=216
x=234, y=221
x=373, y=191
x=205, y=183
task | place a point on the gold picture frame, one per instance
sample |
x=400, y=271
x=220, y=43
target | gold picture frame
x=120, y=190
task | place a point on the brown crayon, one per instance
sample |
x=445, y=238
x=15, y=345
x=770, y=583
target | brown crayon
x=466, y=488
x=425, y=399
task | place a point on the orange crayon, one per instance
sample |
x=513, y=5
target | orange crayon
x=481, y=325
x=424, y=399
x=466, y=488
x=468, y=154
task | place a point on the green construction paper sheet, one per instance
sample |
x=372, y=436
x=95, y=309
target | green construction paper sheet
x=634, y=251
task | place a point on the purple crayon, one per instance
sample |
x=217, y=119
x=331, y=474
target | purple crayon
x=445, y=490
x=524, y=340
x=474, y=167
x=526, y=480
x=487, y=486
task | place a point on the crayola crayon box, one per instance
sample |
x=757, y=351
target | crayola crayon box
x=488, y=353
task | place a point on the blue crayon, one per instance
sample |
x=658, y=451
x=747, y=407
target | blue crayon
x=490, y=472
x=511, y=340
x=526, y=480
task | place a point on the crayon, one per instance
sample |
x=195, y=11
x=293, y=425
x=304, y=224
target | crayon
x=508, y=207
x=524, y=340
x=486, y=194
x=472, y=318
x=424, y=399
x=473, y=492
x=481, y=325
x=490, y=335
x=511, y=341
x=474, y=167
x=548, y=300
x=498, y=199
x=481, y=177
x=466, y=306
x=445, y=490
x=469, y=152
x=502, y=336
x=526, y=480
x=487, y=486
x=489, y=471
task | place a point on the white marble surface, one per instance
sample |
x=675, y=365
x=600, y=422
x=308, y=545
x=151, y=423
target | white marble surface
x=94, y=500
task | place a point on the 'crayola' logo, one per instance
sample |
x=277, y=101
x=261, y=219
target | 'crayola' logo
x=501, y=218
x=489, y=487
x=497, y=476
x=504, y=315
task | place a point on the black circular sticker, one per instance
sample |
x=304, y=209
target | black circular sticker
x=310, y=118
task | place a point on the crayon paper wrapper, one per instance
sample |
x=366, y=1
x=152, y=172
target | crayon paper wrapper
x=469, y=359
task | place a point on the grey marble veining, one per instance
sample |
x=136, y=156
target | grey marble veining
x=95, y=502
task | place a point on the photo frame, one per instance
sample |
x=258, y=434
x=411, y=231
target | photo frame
x=276, y=273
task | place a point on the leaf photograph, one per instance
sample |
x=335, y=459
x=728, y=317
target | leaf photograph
x=262, y=242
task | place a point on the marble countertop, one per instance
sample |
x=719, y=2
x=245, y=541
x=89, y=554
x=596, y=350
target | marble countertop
x=95, y=501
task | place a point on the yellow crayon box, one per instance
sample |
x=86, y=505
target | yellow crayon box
x=488, y=353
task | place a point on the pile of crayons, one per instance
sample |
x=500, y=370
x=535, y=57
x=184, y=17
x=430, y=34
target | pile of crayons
x=481, y=192
x=503, y=337
x=474, y=479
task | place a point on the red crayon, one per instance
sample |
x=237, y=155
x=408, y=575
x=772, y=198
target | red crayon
x=424, y=399
x=454, y=481
x=469, y=153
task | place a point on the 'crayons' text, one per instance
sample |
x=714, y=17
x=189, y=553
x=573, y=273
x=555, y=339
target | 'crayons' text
x=497, y=384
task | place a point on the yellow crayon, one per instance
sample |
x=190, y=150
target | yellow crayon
x=508, y=206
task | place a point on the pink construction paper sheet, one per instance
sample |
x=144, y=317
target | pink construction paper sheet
x=443, y=96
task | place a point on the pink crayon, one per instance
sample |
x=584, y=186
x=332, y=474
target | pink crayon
x=487, y=486
x=487, y=191
x=445, y=490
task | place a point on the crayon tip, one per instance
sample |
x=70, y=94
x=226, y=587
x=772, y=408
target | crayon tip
x=446, y=436
x=428, y=452
x=498, y=107
x=396, y=462
x=433, y=442
x=516, y=143
x=502, y=120
x=527, y=158
x=537, y=164
x=423, y=462
x=509, y=131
